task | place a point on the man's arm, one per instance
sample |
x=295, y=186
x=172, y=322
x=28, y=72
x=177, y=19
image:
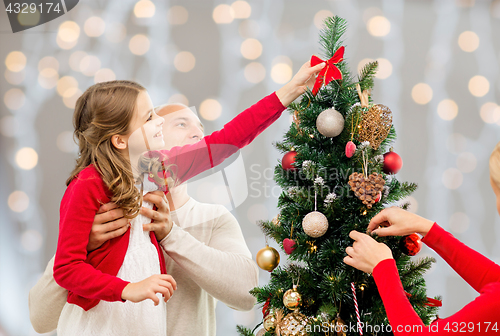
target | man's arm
x=46, y=301
x=224, y=268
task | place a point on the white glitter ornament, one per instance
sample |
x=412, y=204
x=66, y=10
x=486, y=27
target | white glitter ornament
x=330, y=123
x=315, y=224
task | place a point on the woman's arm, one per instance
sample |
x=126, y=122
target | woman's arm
x=472, y=266
x=481, y=316
x=475, y=268
x=370, y=256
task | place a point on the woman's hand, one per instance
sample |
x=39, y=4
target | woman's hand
x=147, y=289
x=304, y=78
x=365, y=253
x=395, y=221
x=162, y=221
x=108, y=223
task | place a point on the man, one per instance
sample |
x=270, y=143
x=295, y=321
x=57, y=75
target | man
x=205, y=251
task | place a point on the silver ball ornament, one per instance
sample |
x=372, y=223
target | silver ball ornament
x=315, y=224
x=330, y=123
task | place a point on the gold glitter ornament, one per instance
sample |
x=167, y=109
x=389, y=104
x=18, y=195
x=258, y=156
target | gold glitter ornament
x=315, y=224
x=268, y=258
x=293, y=324
x=292, y=298
x=375, y=125
x=376, y=122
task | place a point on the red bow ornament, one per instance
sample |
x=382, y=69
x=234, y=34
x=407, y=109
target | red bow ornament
x=329, y=72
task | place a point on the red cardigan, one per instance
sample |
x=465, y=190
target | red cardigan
x=90, y=277
x=481, y=316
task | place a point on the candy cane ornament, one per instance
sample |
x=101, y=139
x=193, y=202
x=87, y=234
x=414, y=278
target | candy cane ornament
x=357, y=309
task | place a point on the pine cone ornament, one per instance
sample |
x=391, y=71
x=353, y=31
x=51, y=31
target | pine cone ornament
x=366, y=188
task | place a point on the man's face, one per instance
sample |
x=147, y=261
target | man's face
x=181, y=127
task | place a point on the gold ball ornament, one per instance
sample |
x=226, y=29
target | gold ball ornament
x=269, y=322
x=330, y=123
x=292, y=298
x=268, y=258
x=294, y=324
x=315, y=224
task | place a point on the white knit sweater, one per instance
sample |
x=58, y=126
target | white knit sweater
x=205, y=253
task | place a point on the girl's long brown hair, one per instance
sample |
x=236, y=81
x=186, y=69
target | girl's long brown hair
x=102, y=111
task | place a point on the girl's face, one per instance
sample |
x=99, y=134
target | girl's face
x=145, y=128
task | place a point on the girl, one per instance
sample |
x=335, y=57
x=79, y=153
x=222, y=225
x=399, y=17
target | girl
x=481, y=316
x=104, y=283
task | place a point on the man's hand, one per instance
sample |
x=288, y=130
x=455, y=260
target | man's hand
x=162, y=221
x=108, y=223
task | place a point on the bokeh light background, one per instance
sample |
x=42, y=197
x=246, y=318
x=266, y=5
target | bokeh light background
x=439, y=73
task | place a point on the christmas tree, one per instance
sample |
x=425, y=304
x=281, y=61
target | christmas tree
x=336, y=174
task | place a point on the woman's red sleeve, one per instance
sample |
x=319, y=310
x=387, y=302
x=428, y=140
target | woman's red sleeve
x=481, y=316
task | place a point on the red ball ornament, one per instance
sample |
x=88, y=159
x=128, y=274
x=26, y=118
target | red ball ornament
x=288, y=160
x=350, y=148
x=379, y=196
x=288, y=245
x=392, y=163
x=411, y=244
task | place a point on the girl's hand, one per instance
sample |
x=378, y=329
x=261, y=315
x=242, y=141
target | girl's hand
x=147, y=289
x=304, y=78
x=162, y=221
x=398, y=222
x=365, y=253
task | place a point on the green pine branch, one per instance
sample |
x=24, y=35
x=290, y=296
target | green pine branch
x=244, y=331
x=330, y=37
x=366, y=75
